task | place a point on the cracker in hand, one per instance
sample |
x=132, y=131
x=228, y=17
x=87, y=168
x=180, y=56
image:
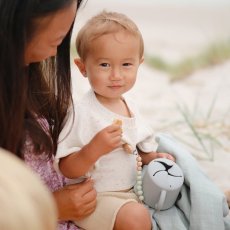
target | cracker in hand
x=117, y=122
x=127, y=147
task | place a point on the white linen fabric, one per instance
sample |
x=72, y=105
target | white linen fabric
x=115, y=171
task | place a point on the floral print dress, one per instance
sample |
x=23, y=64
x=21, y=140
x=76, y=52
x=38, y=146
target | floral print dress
x=53, y=180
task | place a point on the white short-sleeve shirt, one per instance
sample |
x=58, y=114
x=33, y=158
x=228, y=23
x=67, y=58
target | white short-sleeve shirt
x=116, y=170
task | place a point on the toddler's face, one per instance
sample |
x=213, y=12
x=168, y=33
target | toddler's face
x=112, y=63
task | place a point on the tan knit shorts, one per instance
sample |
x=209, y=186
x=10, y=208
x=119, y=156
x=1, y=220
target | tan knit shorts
x=108, y=205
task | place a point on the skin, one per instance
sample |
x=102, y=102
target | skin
x=74, y=202
x=50, y=33
x=77, y=201
x=111, y=67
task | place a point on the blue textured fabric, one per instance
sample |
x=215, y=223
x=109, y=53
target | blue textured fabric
x=202, y=204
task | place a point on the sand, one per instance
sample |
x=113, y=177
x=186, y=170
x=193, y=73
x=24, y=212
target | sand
x=175, y=32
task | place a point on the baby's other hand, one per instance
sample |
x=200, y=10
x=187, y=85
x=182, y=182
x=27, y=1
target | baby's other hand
x=148, y=157
x=166, y=155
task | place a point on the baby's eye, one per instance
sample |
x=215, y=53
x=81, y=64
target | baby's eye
x=104, y=64
x=127, y=64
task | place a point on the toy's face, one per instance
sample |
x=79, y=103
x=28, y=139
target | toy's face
x=162, y=181
x=165, y=173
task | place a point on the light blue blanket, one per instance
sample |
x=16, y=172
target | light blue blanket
x=202, y=205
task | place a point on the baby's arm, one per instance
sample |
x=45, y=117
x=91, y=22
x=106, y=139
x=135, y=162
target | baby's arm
x=147, y=157
x=78, y=163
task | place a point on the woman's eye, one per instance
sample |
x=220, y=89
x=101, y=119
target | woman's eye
x=104, y=64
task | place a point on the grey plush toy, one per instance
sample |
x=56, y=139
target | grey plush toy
x=162, y=180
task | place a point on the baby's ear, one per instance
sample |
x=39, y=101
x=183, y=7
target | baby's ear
x=81, y=66
x=142, y=59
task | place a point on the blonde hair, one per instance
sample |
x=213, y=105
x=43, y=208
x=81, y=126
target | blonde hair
x=25, y=202
x=105, y=23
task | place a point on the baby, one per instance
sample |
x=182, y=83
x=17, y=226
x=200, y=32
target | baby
x=110, y=48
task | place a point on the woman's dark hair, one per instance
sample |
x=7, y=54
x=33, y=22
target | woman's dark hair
x=33, y=99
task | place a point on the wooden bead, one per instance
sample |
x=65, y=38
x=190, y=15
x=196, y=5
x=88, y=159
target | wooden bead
x=127, y=148
x=139, y=159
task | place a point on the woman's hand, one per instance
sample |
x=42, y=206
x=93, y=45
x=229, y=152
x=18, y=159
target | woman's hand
x=75, y=202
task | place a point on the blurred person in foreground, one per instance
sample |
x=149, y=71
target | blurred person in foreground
x=26, y=203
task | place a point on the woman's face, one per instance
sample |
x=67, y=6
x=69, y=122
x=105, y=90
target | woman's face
x=51, y=31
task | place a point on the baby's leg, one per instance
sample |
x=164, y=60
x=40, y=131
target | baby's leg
x=133, y=216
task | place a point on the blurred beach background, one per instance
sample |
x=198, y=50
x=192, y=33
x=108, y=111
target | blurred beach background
x=183, y=87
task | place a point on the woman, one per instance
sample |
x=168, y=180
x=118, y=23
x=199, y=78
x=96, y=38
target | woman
x=35, y=93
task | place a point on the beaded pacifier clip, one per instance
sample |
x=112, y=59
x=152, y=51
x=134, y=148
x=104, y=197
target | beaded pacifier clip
x=131, y=150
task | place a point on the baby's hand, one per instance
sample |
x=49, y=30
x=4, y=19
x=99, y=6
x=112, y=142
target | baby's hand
x=107, y=139
x=147, y=158
x=165, y=155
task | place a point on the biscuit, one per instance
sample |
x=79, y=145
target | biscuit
x=117, y=122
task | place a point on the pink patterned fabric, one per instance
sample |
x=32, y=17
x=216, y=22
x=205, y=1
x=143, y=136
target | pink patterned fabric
x=44, y=168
